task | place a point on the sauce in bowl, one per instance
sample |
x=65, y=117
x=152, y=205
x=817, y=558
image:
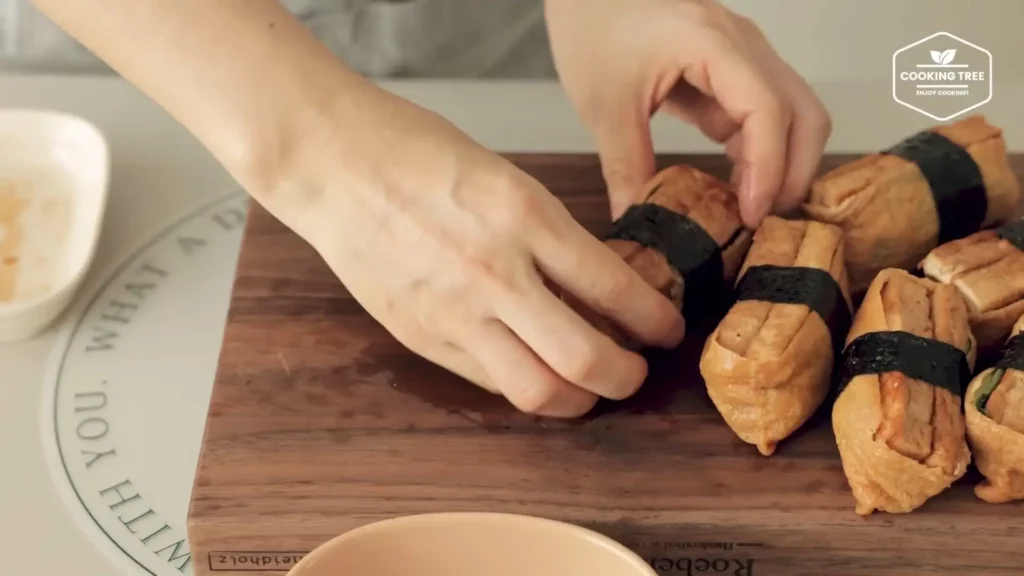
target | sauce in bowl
x=35, y=219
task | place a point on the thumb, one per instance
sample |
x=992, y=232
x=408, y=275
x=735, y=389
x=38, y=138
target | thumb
x=623, y=138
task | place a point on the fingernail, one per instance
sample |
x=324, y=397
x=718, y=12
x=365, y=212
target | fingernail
x=737, y=177
x=747, y=186
x=677, y=333
x=757, y=207
x=618, y=204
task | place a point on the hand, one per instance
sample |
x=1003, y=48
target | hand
x=449, y=246
x=622, y=60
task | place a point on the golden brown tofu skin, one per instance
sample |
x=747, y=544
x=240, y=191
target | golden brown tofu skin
x=989, y=273
x=767, y=365
x=902, y=441
x=704, y=199
x=884, y=205
x=994, y=412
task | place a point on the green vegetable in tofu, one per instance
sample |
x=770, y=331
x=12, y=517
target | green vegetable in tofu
x=988, y=386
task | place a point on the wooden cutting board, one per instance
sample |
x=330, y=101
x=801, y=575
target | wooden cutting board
x=320, y=422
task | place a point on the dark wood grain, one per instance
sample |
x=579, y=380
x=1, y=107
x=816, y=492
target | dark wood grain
x=320, y=422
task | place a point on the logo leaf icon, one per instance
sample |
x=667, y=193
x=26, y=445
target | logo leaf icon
x=936, y=56
x=948, y=55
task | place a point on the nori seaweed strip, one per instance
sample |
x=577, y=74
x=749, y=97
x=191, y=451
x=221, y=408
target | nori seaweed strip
x=933, y=361
x=812, y=287
x=953, y=178
x=1013, y=354
x=689, y=249
x=1013, y=233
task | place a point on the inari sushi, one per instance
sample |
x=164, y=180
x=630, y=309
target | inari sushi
x=767, y=365
x=684, y=236
x=939, y=185
x=987, y=268
x=994, y=412
x=897, y=418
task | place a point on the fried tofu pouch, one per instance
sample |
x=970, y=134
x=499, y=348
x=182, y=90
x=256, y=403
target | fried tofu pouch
x=885, y=207
x=994, y=412
x=767, y=365
x=902, y=441
x=707, y=201
x=989, y=273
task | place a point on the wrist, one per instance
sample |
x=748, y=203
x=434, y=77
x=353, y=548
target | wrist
x=324, y=147
x=286, y=122
x=276, y=149
x=245, y=77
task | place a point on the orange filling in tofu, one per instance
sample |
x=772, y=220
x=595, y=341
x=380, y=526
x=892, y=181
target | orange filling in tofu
x=1005, y=405
x=919, y=420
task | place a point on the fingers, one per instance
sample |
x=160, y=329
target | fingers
x=623, y=138
x=524, y=379
x=749, y=100
x=808, y=135
x=458, y=362
x=811, y=124
x=451, y=358
x=688, y=104
x=574, y=349
x=784, y=127
x=606, y=284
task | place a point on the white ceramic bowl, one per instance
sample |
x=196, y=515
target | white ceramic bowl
x=471, y=544
x=54, y=180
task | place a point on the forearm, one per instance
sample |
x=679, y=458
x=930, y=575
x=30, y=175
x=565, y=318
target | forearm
x=244, y=76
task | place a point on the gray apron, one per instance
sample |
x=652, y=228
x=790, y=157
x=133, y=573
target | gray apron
x=379, y=38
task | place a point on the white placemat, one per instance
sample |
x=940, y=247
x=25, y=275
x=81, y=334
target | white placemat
x=128, y=385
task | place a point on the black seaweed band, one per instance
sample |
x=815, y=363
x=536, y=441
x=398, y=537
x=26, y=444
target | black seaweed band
x=689, y=249
x=933, y=361
x=812, y=287
x=954, y=179
x=1013, y=233
x=1012, y=357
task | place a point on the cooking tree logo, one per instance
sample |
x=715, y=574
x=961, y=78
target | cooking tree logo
x=942, y=76
x=943, y=58
x=129, y=385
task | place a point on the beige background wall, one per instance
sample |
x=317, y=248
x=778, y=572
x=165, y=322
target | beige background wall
x=823, y=39
x=855, y=39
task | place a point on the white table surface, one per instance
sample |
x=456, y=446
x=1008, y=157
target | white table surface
x=160, y=173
